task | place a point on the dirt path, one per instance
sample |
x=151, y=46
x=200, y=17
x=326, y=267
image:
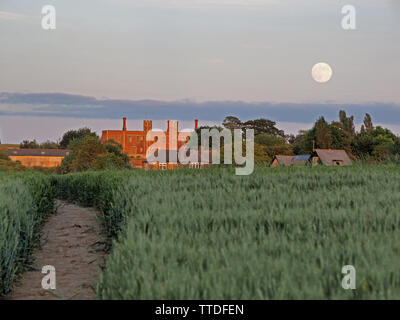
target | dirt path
x=71, y=242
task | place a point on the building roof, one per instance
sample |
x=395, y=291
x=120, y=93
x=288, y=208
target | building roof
x=38, y=152
x=329, y=157
x=284, y=160
x=291, y=160
x=301, y=157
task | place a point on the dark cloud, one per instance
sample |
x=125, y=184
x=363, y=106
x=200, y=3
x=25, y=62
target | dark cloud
x=77, y=106
x=45, y=98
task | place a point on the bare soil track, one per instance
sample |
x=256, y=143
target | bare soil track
x=72, y=243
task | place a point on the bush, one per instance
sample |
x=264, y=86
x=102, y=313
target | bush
x=89, y=153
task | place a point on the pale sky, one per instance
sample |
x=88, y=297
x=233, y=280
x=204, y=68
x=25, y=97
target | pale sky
x=197, y=51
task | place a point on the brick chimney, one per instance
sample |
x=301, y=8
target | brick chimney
x=124, y=126
x=147, y=125
x=196, y=124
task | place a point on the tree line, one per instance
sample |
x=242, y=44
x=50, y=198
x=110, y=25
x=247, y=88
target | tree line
x=371, y=143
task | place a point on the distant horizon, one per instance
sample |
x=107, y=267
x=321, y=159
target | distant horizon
x=44, y=129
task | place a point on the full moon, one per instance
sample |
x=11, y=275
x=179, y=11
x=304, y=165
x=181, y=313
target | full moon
x=322, y=72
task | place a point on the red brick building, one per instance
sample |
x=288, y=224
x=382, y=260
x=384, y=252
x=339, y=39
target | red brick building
x=134, y=143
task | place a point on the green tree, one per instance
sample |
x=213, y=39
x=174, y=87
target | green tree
x=368, y=123
x=382, y=140
x=273, y=145
x=347, y=123
x=362, y=146
x=263, y=126
x=198, y=132
x=395, y=148
x=261, y=157
x=303, y=143
x=72, y=135
x=108, y=161
x=376, y=144
x=232, y=123
x=27, y=144
x=323, y=135
x=115, y=148
x=89, y=153
x=49, y=145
